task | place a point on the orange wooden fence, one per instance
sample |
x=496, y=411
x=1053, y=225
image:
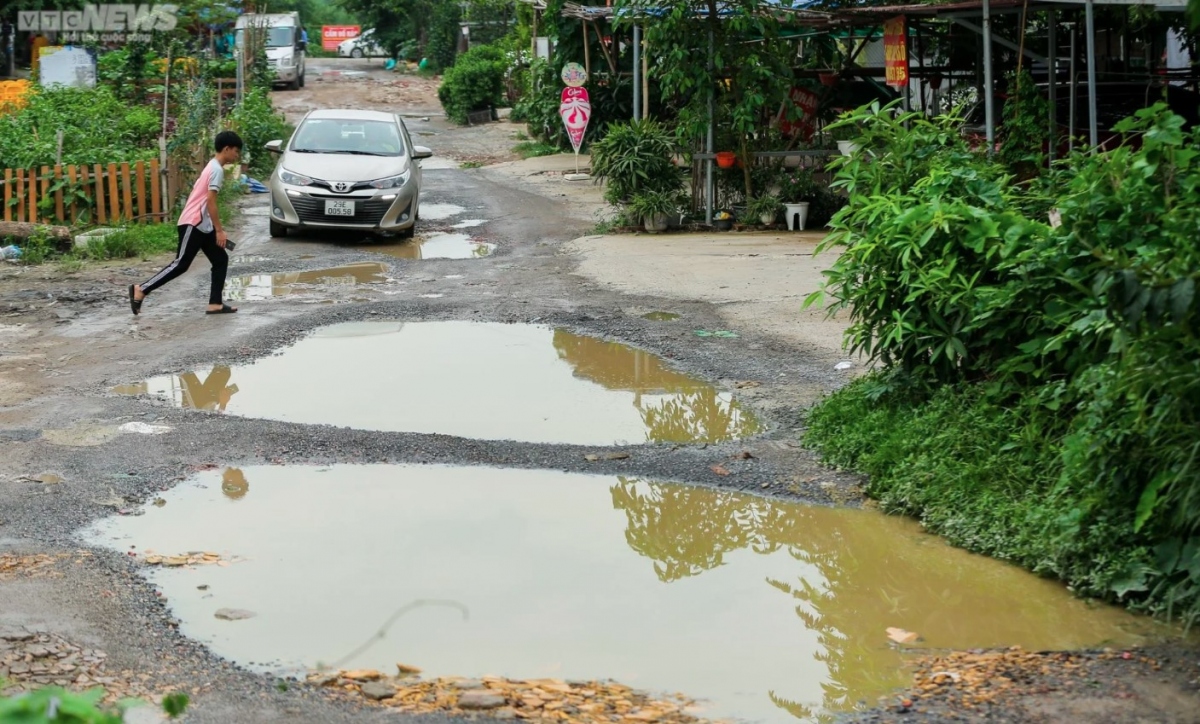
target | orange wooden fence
x=97, y=194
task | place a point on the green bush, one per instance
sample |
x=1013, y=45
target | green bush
x=257, y=122
x=60, y=706
x=1041, y=393
x=28, y=137
x=475, y=83
x=635, y=156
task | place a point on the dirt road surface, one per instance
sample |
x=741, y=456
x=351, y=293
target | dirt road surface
x=67, y=338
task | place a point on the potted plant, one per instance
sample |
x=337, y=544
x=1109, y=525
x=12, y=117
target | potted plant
x=726, y=159
x=845, y=135
x=764, y=208
x=723, y=220
x=798, y=189
x=655, y=208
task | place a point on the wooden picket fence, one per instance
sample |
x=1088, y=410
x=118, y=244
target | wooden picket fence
x=70, y=195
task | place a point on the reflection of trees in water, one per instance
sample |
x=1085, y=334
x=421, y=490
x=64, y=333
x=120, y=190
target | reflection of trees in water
x=700, y=416
x=686, y=531
x=692, y=411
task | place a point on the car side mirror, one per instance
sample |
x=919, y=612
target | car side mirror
x=274, y=146
x=420, y=152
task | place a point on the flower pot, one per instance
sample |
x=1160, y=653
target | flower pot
x=656, y=223
x=767, y=219
x=847, y=148
x=723, y=224
x=797, y=215
x=726, y=159
x=828, y=79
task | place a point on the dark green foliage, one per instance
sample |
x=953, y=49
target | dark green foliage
x=1041, y=394
x=53, y=704
x=128, y=133
x=475, y=83
x=257, y=122
x=1025, y=126
x=635, y=156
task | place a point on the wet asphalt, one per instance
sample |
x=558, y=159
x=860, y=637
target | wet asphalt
x=525, y=280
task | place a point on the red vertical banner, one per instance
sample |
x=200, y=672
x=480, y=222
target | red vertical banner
x=895, y=52
x=806, y=102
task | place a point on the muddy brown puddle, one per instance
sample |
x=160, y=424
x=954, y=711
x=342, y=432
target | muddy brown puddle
x=770, y=611
x=477, y=380
x=437, y=245
x=258, y=287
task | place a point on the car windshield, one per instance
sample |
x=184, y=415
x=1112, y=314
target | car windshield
x=348, y=136
x=280, y=36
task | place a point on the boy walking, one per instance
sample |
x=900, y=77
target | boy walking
x=200, y=230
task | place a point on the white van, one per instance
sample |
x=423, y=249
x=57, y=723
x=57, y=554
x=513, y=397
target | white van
x=285, y=45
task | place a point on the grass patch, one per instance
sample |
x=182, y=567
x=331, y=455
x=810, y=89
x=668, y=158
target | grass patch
x=142, y=241
x=533, y=149
x=470, y=164
x=984, y=473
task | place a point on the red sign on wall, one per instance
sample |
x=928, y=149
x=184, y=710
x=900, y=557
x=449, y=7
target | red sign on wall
x=895, y=52
x=333, y=35
x=806, y=101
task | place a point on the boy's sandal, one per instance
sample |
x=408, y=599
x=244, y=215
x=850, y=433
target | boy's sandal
x=225, y=309
x=135, y=304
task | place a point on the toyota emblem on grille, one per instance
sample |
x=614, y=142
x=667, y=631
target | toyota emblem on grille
x=341, y=186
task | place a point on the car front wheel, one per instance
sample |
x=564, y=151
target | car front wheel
x=356, y=53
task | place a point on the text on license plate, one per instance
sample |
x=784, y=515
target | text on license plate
x=339, y=208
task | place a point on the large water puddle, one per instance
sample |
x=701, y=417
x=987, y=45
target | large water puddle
x=266, y=286
x=484, y=381
x=438, y=245
x=770, y=611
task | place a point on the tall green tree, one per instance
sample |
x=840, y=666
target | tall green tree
x=750, y=73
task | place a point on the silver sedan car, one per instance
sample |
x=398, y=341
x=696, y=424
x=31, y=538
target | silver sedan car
x=345, y=169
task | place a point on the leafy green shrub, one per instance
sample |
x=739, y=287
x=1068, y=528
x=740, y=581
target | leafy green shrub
x=475, y=83
x=57, y=705
x=926, y=224
x=1025, y=129
x=635, y=156
x=1042, y=387
x=257, y=122
x=28, y=137
x=538, y=105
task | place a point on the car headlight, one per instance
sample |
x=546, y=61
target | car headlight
x=293, y=179
x=391, y=182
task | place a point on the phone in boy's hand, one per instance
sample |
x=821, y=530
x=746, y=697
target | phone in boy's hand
x=229, y=245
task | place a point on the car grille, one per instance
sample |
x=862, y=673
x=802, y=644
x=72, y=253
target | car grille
x=311, y=209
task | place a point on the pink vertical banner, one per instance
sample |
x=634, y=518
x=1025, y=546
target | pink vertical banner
x=576, y=111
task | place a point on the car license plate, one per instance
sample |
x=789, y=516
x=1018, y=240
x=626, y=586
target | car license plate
x=339, y=208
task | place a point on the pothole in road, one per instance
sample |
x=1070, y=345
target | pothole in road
x=438, y=245
x=661, y=316
x=478, y=380
x=266, y=286
x=770, y=611
x=439, y=212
